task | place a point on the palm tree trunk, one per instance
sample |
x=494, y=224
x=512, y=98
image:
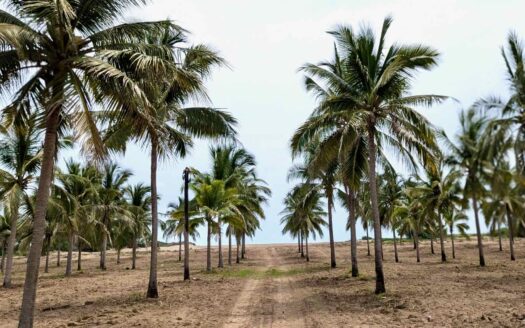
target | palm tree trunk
x=298, y=244
x=39, y=221
x=395, y=245
x=416, y=241
x=452, y=240
x=243, y=249
x=432, y=245
x=302, y=245
x=208, y=250
x=367, y=243
x=329, y=196
x=152, y=284
x=442, y=241
x=238, y=259
x=118, y=255
x=11, y=247
x=46, y=267
x=186, y=226
x=79, y=260
x=499, y=237
x=307, y=253
x=511, y=233
x=180, y=247
x=221, y=263
x=103, y=247
x=4, y=247
x=134, y=253
x=478, y=231
x=353, y=233
x=69, y=261
x=380, y=278
x=230, y=249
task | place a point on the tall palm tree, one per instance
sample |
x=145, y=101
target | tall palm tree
x=373, y=100
x=20, y=155
x=173, y=226
x=57, y=56
x=468, y=154
x=163, y=124
x=303, y=212
x=139, y=205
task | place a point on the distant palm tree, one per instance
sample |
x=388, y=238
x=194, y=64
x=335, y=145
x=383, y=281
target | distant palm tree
x=174, y=224
x=374, y=99
x=303, y=212
x=139, y=205
x=456, y=219
x=20, y=155
x=111, y=203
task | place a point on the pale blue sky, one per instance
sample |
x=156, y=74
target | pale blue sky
x=266, y=41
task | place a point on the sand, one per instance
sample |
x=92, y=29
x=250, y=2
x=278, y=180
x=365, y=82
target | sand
x=274, y=287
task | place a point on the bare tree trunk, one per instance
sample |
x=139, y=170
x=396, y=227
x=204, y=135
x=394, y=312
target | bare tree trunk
x=307, y=253
x=58, y=256
x=230, y=248
x=416, y=240
x=79, y=260
x=511, y=233
x=208, y=250
x=380, y=278
x=432, y=245
x=221, y=263
x=134, y=253
x=478, y=231
x=452, y=240
x=353, y=233
x=441, y=240
x=11, y=247
x=118, y=255
x=395, y=245
x=69, y=261
x=329, y=196
x=499, y=238
x=180, y=247
x=152, y=284
x=186, y=225
x=39, y=223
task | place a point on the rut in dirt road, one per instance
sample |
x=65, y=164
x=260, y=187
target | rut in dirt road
x=269, y=302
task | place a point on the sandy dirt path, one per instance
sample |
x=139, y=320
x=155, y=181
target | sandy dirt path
x=270, y=301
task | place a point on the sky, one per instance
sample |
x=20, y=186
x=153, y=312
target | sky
x=265, y=42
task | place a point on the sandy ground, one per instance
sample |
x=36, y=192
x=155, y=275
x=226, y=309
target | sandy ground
x=274, y=287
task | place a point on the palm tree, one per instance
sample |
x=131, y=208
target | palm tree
x=58, y=56
x=439, y=193
x=174, y=224
x=111, y=203
x=163, y=125
x=373, y=100
x=20, y=155
x=469, y=155
x=458, y=219
x=4, y=236
x=390, y=194
x=303, y=213
x=139, y=205
x=214, y=202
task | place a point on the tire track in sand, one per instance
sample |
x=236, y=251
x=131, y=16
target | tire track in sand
x=268, y=302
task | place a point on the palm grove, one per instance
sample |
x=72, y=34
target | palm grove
x=365, y=120
x=74, y=75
